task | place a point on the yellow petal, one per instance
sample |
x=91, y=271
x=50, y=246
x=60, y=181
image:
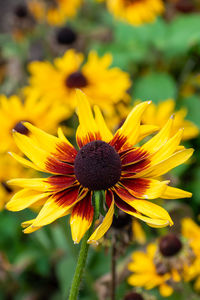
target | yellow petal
x=88, y=127
x=165, y=290
x=175, y=193
x=166, y=165
x=104, y=226
x=151, y=210
x=146, y=130
x=24, y=199
x=33, y=152
x=168, y=149
x=36, y=184
x=160, y=138
x=130, y=130
x=24, y=161
x=105, y=133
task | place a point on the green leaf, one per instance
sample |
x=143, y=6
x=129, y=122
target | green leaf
x=155, y=86
x=182, y=34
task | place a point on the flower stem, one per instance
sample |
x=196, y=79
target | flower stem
x=113, y=268
x=83, y=254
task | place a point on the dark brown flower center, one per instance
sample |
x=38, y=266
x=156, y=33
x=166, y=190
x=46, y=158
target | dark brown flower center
x=76, y=80
x=97, y=166
x=133, y=296
x=21, y=11
x=66, y=36
x=19, y=127
x=170, y=245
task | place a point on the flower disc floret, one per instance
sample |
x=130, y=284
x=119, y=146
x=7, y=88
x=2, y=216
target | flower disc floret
x=133, y=296
x=97, y=166
x=76, y=80
x=66, y=36
x=170, y=245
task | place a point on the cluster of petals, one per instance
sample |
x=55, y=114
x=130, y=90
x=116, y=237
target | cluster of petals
x=136, y=12
x=139, y=182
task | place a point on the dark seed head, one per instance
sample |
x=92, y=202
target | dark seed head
x=66, y=36
x=170, y=245
x=76, y=80
x=185, y=6
x=19, y=127
x=97, y=166
x=21, y=11
x=123, y=220
x=133, y=296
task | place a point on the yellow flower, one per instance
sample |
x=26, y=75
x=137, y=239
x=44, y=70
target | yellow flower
x=56, y=12
x=57, y=82
x=40, y=113
x=158, y=115
x=145, y=273
x=127, y=174
x=136, y=12
x=161, y=265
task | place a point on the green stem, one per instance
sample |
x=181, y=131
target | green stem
x=83, y=255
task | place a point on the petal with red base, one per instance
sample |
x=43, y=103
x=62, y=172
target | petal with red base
x=153, y=222
x=88, y=129
x=127, y=135
x=58, y=206
x=144, y=188
x=81, y=217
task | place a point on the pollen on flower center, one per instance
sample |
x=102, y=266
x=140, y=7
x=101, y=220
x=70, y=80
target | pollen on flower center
x=170, y=245
x=76, y=80
x=97, y=166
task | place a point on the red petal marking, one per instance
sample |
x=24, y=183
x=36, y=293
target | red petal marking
x=65, y=152
x=118, y=142
x=66, y=197
x=133, y=156
x=88, y=138
x=137, y=167
x=123, y=193
x=56, y=166
x=84, y=208
x=60, y=182
x=137, y=185
x=123, y=205
x=109, y=197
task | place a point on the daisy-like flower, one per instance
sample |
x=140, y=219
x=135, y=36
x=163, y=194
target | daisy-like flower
x=158, y=115
x=106, y=87
x=54, y=12
x=136, y=12
x=149, y=275
x=104, y=162
x=40, y=113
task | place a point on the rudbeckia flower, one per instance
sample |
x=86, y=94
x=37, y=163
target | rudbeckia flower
x=146, y=274
x=126, y=173
x=54, y=12
x=158, y=115
x=40, y=113
x=136, y=12
x=103, y=85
